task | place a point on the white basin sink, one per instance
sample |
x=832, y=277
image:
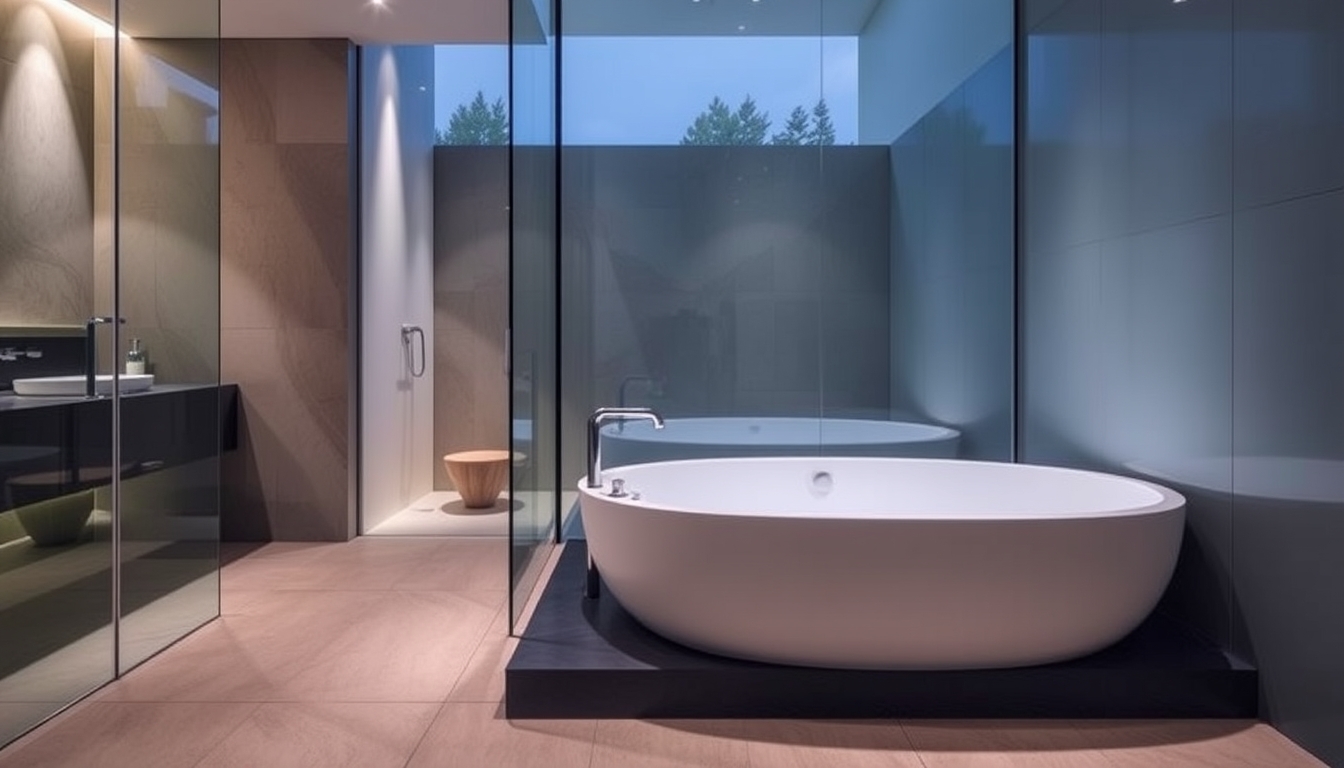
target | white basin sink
x=74, y=386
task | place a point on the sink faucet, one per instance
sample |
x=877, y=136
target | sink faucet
x=91, y=351
x=595, y=433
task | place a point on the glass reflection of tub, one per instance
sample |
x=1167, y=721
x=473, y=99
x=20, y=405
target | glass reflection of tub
x=737, y=437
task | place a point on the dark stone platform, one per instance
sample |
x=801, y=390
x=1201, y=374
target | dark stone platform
x=590, y=659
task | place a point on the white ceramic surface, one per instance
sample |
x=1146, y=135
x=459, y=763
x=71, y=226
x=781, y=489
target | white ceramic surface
x=638, y=442
x=885, y=563
x=74, y=386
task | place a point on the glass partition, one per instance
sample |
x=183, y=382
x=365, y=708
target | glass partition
x=532, y=351
x=167, y=290
x=56, y=551
x=110, y=215
x=788, y=228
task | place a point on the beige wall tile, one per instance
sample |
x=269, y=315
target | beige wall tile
x=286, y=253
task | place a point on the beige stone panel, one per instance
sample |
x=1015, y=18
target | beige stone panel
x=248, y=275
x=67, y=38
x=46, y=205
x=311, y=92
x=247, y=76
x=310, y=419
x=308, y=236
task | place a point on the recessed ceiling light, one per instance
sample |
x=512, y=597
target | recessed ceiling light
x=741, y=27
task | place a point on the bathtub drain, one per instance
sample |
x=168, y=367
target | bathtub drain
x=821, y=484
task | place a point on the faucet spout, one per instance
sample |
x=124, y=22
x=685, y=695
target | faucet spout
x=595, y=422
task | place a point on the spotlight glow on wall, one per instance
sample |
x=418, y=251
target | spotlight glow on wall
x=101, y=27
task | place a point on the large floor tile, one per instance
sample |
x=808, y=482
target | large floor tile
x=669, y=744
x=461, y=565
x=483, y=678
x=468, y=735
x=130, y=735
x=1196, y=744
x=361, y=564
x=827, y=744
x=1007, y=743
x=250, y=657
x=324, y=735
x=409, y=646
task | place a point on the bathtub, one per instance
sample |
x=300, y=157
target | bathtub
x=733, y=437
x=874, y=563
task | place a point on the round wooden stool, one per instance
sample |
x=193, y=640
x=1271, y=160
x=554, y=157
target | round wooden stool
x=479, y=476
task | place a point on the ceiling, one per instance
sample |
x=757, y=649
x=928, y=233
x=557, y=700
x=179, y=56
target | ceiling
x=487, y=21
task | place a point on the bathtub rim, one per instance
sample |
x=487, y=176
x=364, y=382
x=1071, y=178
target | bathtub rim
x=1169, y=501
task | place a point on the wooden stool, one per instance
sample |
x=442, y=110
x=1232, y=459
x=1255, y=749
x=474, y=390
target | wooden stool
x=479, y=476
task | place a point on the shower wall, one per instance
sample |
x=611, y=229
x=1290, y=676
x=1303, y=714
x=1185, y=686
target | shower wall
x=1183, y=293
x=724, y=281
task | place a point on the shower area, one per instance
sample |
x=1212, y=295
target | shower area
x=112, y=415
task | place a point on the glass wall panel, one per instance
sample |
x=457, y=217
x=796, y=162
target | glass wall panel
x=693, y=224
x=56, y=554
x=533, y=274
x=921, y=326
x=167, y=296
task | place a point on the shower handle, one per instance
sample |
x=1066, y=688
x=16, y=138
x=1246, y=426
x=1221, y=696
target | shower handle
x=407, y=331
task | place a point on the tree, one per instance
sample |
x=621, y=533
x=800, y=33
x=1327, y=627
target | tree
x=476, y=123
x=719, y=125
x=823, y=131
x=795, y=130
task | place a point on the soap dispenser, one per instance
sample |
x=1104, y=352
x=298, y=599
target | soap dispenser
x=135, y=359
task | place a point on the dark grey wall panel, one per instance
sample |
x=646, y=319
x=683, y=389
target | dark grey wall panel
x=952, y=238
x=1182, y=289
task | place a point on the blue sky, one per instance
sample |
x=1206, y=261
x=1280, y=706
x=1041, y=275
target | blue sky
x=633, y=90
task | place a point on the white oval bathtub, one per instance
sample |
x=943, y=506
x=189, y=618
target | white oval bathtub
x=716, y=437
x=884, y=563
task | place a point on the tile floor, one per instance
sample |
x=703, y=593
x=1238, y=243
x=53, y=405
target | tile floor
x=389, y=652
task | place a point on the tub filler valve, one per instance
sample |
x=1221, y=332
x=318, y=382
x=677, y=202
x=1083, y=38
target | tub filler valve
x=600, y=416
